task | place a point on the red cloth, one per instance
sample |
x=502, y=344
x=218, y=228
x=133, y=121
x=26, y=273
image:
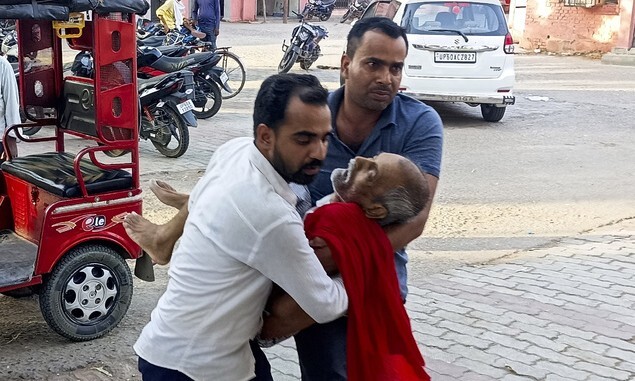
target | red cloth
x=380, y=345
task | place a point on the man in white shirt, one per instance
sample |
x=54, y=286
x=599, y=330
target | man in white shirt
x=9, y=106
x=242, y=234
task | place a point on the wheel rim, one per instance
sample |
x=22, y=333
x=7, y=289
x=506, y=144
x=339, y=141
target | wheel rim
x=164, y=134
x=203, y=96
x=90, y=294
x=285, y=63
x=235, y=76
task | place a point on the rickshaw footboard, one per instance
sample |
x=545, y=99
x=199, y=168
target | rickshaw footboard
x=17, y=259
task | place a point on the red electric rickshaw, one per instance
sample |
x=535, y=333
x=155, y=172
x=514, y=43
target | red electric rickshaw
x=61, y=212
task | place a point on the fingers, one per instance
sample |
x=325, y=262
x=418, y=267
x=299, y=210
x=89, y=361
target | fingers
x=317, y=243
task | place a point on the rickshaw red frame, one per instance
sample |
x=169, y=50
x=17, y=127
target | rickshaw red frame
x=61, y=213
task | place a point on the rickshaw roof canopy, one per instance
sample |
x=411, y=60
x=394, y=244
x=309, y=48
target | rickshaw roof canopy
x=60, y=9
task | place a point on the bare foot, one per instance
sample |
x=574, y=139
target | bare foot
x=150, y=237
x=168, y=195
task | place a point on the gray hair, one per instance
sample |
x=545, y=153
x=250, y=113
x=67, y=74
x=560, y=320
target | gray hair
x=406, y=201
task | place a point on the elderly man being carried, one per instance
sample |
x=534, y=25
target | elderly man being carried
x=389, y=188
x=350, y=235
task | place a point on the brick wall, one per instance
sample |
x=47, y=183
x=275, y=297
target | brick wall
x=553, y=27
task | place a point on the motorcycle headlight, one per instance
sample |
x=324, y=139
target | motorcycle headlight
x=304, y=35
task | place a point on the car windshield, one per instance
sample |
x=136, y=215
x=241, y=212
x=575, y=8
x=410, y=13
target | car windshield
x=471, y=19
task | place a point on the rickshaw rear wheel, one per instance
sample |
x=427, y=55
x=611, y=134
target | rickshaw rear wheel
x=88, y=293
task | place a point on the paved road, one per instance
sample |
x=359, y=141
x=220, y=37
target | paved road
x=560, y=313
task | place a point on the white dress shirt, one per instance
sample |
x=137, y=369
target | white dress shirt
x=242, y=233
x=9, y=101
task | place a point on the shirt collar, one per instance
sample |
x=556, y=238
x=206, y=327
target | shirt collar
x=263, y=165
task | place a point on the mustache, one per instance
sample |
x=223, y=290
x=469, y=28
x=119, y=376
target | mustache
x=312, y=164
x=381, y=88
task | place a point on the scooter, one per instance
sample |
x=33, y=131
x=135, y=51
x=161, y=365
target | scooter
x=208, y=77
x=166, y=106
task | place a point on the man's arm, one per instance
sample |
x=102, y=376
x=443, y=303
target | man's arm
x=195, y=11
x=285, y=318
x=165, y=13
x=291, y=264
x=217, y=11
x=9, y=88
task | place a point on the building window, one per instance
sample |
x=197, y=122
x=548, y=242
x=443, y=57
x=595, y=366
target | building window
x=587, y=3
x=582, y=3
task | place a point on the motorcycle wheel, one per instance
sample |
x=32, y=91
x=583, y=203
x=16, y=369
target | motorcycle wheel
x=165, y=118
x=287, y=61
x=306, y=64
x=324, y=17
x=306, y=14
x=29, y=131
x=345, y=16
x=207, y=98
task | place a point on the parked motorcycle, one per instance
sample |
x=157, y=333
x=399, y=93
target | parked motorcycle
x=9, y=46
x=303, y=47
x=208, y=78
x=321, y=9
x=355, y=10
x=165, y=107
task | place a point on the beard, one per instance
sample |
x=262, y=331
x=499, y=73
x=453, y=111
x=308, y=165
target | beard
x=291, y=176
x=340, y=179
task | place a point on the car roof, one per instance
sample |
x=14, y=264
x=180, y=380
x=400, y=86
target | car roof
x=446, y=1
x=387, y=11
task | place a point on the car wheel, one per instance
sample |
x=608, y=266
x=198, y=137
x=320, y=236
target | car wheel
x=492, y=113
x=88, y=293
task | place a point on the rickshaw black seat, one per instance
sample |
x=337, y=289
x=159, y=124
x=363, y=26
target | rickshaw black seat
x=54, y=173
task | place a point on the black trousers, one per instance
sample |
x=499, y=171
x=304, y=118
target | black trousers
x=151, y=372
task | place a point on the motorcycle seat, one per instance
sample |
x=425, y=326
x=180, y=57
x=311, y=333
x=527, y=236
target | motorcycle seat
x=152, y=41
x=54, y=173
x=171, y=64
x=170, y=50
x=143, y=84
x=327, y=3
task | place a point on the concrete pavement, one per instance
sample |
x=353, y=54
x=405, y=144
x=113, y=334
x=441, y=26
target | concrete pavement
x=559, y=313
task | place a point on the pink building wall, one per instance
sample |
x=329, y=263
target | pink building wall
x=553, y=27
x=240, y=10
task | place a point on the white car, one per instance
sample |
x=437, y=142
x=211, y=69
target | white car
x=458, y=52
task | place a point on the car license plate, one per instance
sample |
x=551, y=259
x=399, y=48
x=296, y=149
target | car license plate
x=224, y=77
x=456, y=57
x=186, y=106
